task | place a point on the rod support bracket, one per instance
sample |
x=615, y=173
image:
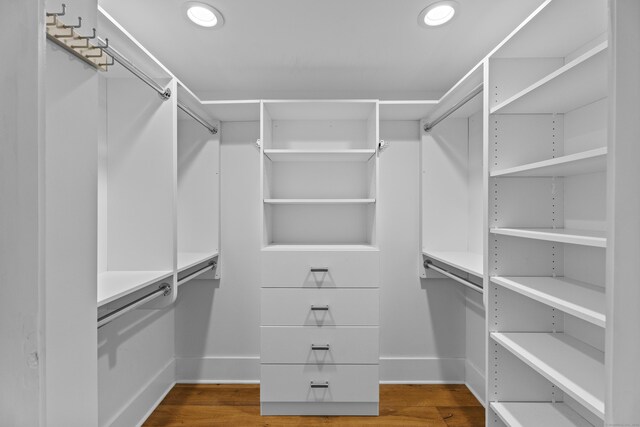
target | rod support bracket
x=214, y=130
x=166, y=94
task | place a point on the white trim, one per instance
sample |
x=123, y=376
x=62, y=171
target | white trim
x=422, y=370
x=218, y=370
x=138, y=409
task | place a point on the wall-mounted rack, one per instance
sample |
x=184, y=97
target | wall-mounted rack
x=80, y=46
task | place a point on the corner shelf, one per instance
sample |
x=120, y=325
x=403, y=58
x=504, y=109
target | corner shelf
x=113, y=285
x=593, y=238
x=281, y=155
x=187, y=260
x=319, y=201
x=468, y=262
x=577, y=83
x=579, y=299
x=536, y=414
x=573, y=164
x=575, y=367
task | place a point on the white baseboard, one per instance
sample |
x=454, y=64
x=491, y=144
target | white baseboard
x=218, y=370
x=475, y=381
x=422, y=370
x=146, y=400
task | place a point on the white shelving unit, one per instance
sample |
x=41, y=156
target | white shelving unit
x=547, y=226
x=469, y=262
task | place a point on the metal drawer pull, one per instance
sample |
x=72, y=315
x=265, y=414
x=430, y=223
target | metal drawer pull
x=324, y=347
x=320, y=270
x=319, y=385
x=319, y=308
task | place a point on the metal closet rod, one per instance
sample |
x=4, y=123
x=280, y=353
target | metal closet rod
x=165, y=93
x=467, y=98
x=197, y=118
x=164, y=289
x=460, y=280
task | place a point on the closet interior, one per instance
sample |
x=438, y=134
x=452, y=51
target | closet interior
x=502, y=278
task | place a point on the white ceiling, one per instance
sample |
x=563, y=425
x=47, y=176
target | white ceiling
x=319, y=48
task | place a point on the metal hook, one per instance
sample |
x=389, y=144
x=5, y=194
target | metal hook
x=93, y=36
x=64, y=8
x=86, y=41
x=74, y=26
x=107, y=63
x=106, y=41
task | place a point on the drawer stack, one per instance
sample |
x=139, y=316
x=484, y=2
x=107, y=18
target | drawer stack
x=319, y=333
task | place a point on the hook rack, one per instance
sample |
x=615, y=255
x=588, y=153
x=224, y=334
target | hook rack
x=65, y=36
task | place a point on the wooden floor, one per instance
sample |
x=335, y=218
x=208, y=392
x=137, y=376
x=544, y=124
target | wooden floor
x=239, y=405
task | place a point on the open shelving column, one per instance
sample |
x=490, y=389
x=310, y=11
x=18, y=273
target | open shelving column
x=547, y=160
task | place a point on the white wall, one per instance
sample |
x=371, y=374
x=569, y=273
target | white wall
x=422, y=322
x=21, y=263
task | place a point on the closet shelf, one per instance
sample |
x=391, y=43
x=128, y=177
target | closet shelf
x=117, y=284
x=573, y=164
x=188, y=260
x=468, y=262
x=274, y=247
x=535, y=414
x=579, y=299
x=280, y=155
x=319, y=201
x=406, y=110
x=593, y=238
x=573, y=85
x=573, y=366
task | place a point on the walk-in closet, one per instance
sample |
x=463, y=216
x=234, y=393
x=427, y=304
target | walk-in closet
x=299, y=212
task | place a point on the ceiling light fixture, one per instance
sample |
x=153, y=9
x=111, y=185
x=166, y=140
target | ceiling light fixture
x=203, y=14
x=437, y=13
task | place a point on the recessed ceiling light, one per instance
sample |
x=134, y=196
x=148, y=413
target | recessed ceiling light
x=437, y=13
x=203, y=14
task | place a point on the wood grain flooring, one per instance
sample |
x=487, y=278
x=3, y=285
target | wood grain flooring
x=239, y=405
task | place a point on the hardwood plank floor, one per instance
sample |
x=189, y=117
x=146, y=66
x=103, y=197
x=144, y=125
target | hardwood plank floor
x=239, y=405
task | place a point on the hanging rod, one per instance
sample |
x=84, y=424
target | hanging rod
x=164, y=289
x=165, y=93
x=197, y=118
x=460, y=280
x=211, y=266
x=467, y=98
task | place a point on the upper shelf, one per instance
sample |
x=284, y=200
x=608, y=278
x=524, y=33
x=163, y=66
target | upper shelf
x=342, y=109
x=233, y=110
x=573, y=164
x=468, y=262
x=594, y=238
x=117, y=284
x=277, y=155
x=187, y=260
x=577, y=83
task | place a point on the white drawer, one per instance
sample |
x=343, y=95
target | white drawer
x=344, y=383
x=319, y=307
x=311, y=344
x=344, y=269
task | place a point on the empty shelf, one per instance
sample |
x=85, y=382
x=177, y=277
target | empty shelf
x=319, y=155
x=311, y=247
x=562, y=235
x=573, y=164
x=577, y=83
x=406, y=110
x=468, y=262
x=319, y=201
x=573, y=366
x=187, y=260
x=535, y=414
x=117, y=284
x=579, y=299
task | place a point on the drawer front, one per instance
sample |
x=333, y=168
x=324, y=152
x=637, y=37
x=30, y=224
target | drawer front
x=319, y=307
x=341, y=383
x=346, y=269
x=310, y=344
